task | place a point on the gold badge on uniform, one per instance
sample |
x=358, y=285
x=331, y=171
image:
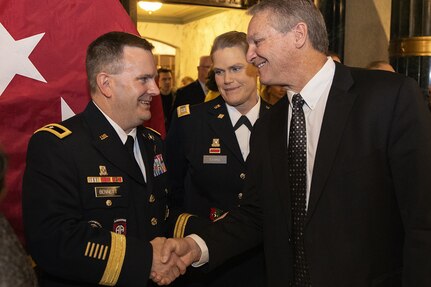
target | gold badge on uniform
x=215, y=143
x=103, y=170
x=220, y=116
x=217, y=106
x=103, y=136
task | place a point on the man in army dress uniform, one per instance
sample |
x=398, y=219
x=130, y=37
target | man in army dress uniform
x=92, y=207
x=207, y=147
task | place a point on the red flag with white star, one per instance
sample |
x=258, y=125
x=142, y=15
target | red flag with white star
x=42, y=73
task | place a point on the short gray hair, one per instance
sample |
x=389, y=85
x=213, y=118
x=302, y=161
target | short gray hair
x=288, y=13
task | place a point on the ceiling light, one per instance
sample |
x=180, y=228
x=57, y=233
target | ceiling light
x=150, y=7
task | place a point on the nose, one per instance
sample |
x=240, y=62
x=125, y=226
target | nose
x=227, y=78
x=153, y=89
x=251, y=53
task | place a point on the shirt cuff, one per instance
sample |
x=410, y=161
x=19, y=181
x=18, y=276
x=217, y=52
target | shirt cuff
x=204, y=250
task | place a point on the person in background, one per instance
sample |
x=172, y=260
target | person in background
x=195, y=92
x=207, y=148
x=167, y=93
x=380, y=65
x=272, y=94
x=211, y=86
x=186, y=80
x=334, y=56
x=338, y=180
x=95, y=185
x=15, y=265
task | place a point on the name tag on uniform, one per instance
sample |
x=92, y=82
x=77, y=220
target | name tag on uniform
x=215, y=159
x=107, y=191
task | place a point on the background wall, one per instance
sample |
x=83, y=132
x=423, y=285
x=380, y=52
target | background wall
x=366, y=34
x=367, y=31
x=195, y=38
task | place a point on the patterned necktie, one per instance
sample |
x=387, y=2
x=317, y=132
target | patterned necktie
x=297, y=161
x=243, y=120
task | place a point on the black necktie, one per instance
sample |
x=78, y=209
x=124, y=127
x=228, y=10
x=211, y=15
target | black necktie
x=129, y=146
x=297, y=162
x=243, y=120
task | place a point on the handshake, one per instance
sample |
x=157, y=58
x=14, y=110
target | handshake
x=171, y=257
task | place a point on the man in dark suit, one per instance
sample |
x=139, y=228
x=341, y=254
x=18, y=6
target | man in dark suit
x=92, y=205
x=206, y=155
x=352, y=206
x=195, y=92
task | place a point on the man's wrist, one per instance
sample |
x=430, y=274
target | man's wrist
x=204, y=256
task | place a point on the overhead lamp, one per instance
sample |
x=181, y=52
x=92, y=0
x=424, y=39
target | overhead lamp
x=150, y=7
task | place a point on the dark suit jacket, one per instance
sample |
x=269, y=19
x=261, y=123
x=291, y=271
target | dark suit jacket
x=369, y=217
x=191, y=94
x=82, y=189
x=202, y=181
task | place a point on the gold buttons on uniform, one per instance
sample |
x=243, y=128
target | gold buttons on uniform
x=152, y=199
x=153, y=221
x=240, y=195
x=166, y=190
x=242, y=175
x=108, y=202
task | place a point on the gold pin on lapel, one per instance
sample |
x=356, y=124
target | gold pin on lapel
x=103, y=170
x=103, y=136
x=217, y=106
x=220, y=116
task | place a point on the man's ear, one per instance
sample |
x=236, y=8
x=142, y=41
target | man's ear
x=104, y=83
x=301, y=34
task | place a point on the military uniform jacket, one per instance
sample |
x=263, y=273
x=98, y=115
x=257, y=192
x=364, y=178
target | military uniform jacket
x=88, y=213
x=207, y=172
x=191, y=94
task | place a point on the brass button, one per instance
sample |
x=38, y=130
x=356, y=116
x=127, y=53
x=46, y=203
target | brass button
x=151, y=199
x=153, y=221
x=242, y=175
x=240, y=195
x=166, y=190
x=108, y=202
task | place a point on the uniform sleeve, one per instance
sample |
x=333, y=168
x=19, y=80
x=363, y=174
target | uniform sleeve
x=63, y=244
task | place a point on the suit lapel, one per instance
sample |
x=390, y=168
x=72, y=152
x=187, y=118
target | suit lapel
x=278, y=151
x=107, y=142
x=337, y=110
x=221, y=124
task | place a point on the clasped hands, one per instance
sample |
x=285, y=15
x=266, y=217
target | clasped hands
x=171, y=257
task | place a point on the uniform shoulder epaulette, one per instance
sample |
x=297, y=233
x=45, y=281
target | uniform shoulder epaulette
x=153, y=130
x=56, y=129
x=183, y=110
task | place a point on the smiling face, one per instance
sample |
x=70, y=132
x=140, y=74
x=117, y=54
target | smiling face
x=236, y=79
x=133, y=88
x=273, y=52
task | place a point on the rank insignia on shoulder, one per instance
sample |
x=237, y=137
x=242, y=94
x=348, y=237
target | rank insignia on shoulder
x=183, y=110
x=56, y=129
x=220, y=116
x=217, y=106
x=153, y=130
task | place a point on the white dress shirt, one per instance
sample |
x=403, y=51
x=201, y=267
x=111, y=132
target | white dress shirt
x=315, y=94
x=243, y=133
x=123, y=137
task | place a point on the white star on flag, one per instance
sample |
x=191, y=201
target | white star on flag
x=14, y=58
